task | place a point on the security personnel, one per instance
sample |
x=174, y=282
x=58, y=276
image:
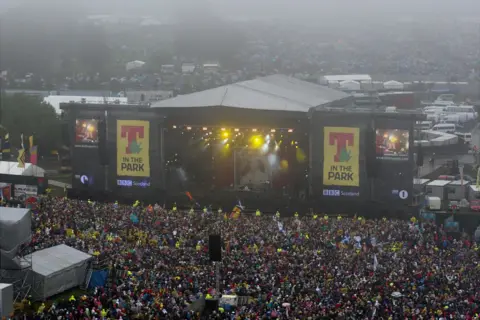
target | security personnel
x=258, y=213
x=278, y=214
x=296, y=214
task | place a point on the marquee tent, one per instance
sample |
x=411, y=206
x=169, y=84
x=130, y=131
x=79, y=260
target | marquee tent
x=57, y=269
x=393, y=85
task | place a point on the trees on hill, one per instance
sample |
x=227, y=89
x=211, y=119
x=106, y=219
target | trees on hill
x=29, y=115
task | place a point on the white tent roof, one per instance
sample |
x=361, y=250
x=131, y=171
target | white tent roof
x=9, y=167
x=49, y=261
x=276, y=92
x=346, y=82
x=392, y=84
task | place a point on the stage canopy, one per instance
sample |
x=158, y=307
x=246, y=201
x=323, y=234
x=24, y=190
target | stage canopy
x=57, y=269
x=275, y=93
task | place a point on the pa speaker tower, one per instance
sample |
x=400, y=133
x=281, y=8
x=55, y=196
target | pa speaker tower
x=215, y=247
x=371, y=153
x=102, y=143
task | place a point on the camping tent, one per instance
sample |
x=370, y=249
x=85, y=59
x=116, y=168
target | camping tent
x=57, y=269
x=393, y=85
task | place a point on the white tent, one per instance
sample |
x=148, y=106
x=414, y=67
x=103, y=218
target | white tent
x=393, y=85
x=10, y=167
x=350, y=85
x=57, y=269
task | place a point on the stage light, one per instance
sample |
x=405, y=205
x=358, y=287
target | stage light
x=256, y=141
x=265, y=147
x=223, y=129
x=174, y=127
x=225, y=134
x=204, y=128
x=273, y=130
x=236, y=129
x=225, y=141
x=254, y=130
x=290, y=130
x=267, y=137
x=189, y=128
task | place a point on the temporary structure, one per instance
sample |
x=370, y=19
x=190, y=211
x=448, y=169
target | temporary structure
x=350, y=85
x=393, y=85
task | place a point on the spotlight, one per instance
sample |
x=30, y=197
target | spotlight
x=273, y=130
x=290, y=130
x=204, y=128
x=254, y=130
x=223, y=129
x=189, y=128
x=174, y=127
x=236, y=129
x=225, y=134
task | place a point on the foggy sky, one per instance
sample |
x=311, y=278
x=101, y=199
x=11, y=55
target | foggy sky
x=328, y=10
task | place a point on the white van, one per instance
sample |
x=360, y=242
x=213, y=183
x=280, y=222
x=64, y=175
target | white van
x=444, y=127
x=465, y=137
x=423, y=125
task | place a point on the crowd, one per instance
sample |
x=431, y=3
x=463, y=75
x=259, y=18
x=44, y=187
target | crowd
x=308, y=266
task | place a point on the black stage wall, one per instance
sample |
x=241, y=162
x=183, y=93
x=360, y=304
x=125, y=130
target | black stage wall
x=360, y=158
x=333, y=180
x=134, y=171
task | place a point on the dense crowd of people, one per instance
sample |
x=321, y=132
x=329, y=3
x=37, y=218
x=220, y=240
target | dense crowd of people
x=308, y=266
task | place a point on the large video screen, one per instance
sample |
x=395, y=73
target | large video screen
x=86, y=132
x=392, y=144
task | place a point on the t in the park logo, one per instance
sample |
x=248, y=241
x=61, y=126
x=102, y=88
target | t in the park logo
x=341, y=156
x=133, y=158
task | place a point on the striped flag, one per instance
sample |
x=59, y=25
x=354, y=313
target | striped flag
x=33, y=155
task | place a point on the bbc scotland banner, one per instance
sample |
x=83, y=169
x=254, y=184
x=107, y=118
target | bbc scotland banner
x=133, y=148
x=341, y=156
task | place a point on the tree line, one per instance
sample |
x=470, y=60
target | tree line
x=29, y=115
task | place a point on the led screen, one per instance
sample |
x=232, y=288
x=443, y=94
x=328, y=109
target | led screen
x=86, y=131
x=392, y=144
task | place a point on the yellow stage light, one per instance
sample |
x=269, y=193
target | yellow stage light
x=225, y=134
x=256, y=141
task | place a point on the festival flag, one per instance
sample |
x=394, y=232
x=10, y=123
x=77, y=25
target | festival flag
x=21, y=158
x=236, y=212
x=6, y=147
x=33, y=155
x=30, y=141
x=375, y=262
x=22, y=143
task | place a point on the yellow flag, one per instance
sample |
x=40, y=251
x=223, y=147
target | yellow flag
x=21, y=158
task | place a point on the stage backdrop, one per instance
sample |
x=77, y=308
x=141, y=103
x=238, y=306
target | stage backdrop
x=133, y=148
